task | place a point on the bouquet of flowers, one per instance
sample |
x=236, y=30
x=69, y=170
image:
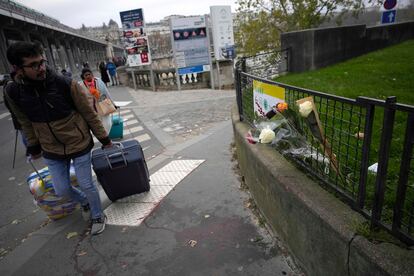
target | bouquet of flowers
x=281, y=128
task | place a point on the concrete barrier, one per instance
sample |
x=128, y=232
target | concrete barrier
x=317, y=227
x=317, y=48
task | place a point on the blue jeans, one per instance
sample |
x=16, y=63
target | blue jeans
x=59, y=170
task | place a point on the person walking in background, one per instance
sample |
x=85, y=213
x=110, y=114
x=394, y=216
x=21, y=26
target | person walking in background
x=56, y=118
x=99, y=91
x=66, y=73
x=104, y=73
x=110, y=66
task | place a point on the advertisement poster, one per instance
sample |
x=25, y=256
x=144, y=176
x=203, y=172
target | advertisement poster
x=223, y=35
x=266, y=96
x=190, y=44
x=135, y=38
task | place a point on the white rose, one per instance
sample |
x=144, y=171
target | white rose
x=266, y=136
x=305, y=109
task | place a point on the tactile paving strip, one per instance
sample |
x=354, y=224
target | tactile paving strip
x=132, y=210
x=131, y=214
x=181, y=165
x=155, y=194
x=167, y=178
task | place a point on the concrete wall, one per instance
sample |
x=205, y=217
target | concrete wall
x=317, y=48
x=316, y=226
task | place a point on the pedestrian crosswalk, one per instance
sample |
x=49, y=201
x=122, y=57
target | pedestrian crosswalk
x=132, y=129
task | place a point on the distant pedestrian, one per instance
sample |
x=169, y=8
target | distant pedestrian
x=99, y=91
x=104, y=73
x=110, y=66
x=66, y=73
x=86, y=65
x=57, y=120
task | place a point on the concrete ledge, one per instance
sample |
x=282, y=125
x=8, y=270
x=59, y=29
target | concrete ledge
x=317, y=227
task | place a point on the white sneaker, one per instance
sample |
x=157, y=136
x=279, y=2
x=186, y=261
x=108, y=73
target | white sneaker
x=98, y=225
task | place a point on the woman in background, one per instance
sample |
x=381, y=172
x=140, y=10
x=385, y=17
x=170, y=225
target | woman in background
x=104, y=73
x=99, y=91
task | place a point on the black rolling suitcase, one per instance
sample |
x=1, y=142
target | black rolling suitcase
x=121, y=169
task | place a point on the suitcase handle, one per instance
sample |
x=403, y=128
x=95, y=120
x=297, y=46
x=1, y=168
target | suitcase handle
x=114, y=144
x=115, y=155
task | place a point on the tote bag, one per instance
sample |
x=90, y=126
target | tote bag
x=105, y=107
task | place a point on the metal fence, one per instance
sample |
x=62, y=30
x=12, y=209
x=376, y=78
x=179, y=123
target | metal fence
x=359, y=132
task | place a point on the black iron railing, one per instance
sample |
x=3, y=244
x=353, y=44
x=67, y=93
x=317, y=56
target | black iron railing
x=361, y=132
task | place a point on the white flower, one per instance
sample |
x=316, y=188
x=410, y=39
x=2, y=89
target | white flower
x=266, y=136
x=305, y=108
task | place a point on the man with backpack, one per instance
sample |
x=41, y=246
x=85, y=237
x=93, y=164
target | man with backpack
x=56, y=118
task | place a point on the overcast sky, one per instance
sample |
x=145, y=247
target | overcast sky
x=94, y=12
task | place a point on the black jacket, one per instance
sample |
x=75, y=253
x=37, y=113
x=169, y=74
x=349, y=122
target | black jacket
x=56, y=116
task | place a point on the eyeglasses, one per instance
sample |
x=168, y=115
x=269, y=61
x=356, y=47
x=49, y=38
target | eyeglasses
x=36, y=65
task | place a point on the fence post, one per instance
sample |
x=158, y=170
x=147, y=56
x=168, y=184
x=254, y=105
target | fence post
x=288, y=58
x=238, y=89
x=404, y=173
x=383, y=158
x=241, y=80
x=366, y=147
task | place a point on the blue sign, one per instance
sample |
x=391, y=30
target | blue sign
x=388, y=17
x=390, y=4
x=192, y=69
x=132, y=19
x=228, y=52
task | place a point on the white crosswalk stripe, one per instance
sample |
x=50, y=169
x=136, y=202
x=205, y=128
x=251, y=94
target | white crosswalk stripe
x=142, y=138
x=123, y=112
x=127, y=117
x=130, y=122
x=136, y=129
x=4, y=115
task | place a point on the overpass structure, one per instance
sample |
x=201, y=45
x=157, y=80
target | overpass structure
x=64, y=47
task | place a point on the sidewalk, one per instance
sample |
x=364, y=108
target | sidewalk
x=200, y=228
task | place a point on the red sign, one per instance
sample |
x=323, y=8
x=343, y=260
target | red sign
x=390, y=4
x=144, y=57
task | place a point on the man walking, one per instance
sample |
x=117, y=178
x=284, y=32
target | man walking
x=57, y=119
x=110, y=66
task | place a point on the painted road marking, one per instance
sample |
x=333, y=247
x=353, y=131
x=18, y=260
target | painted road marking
x=142, y=138
x=4, y=115
x=136, y=129
x=122, y=103
x=131, y=122
x=132, y=210
x=126, y=117
x=125, y=111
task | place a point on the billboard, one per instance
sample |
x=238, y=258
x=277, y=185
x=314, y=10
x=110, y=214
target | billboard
x=223, y=35
x=135, y=38
x=190, y=44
